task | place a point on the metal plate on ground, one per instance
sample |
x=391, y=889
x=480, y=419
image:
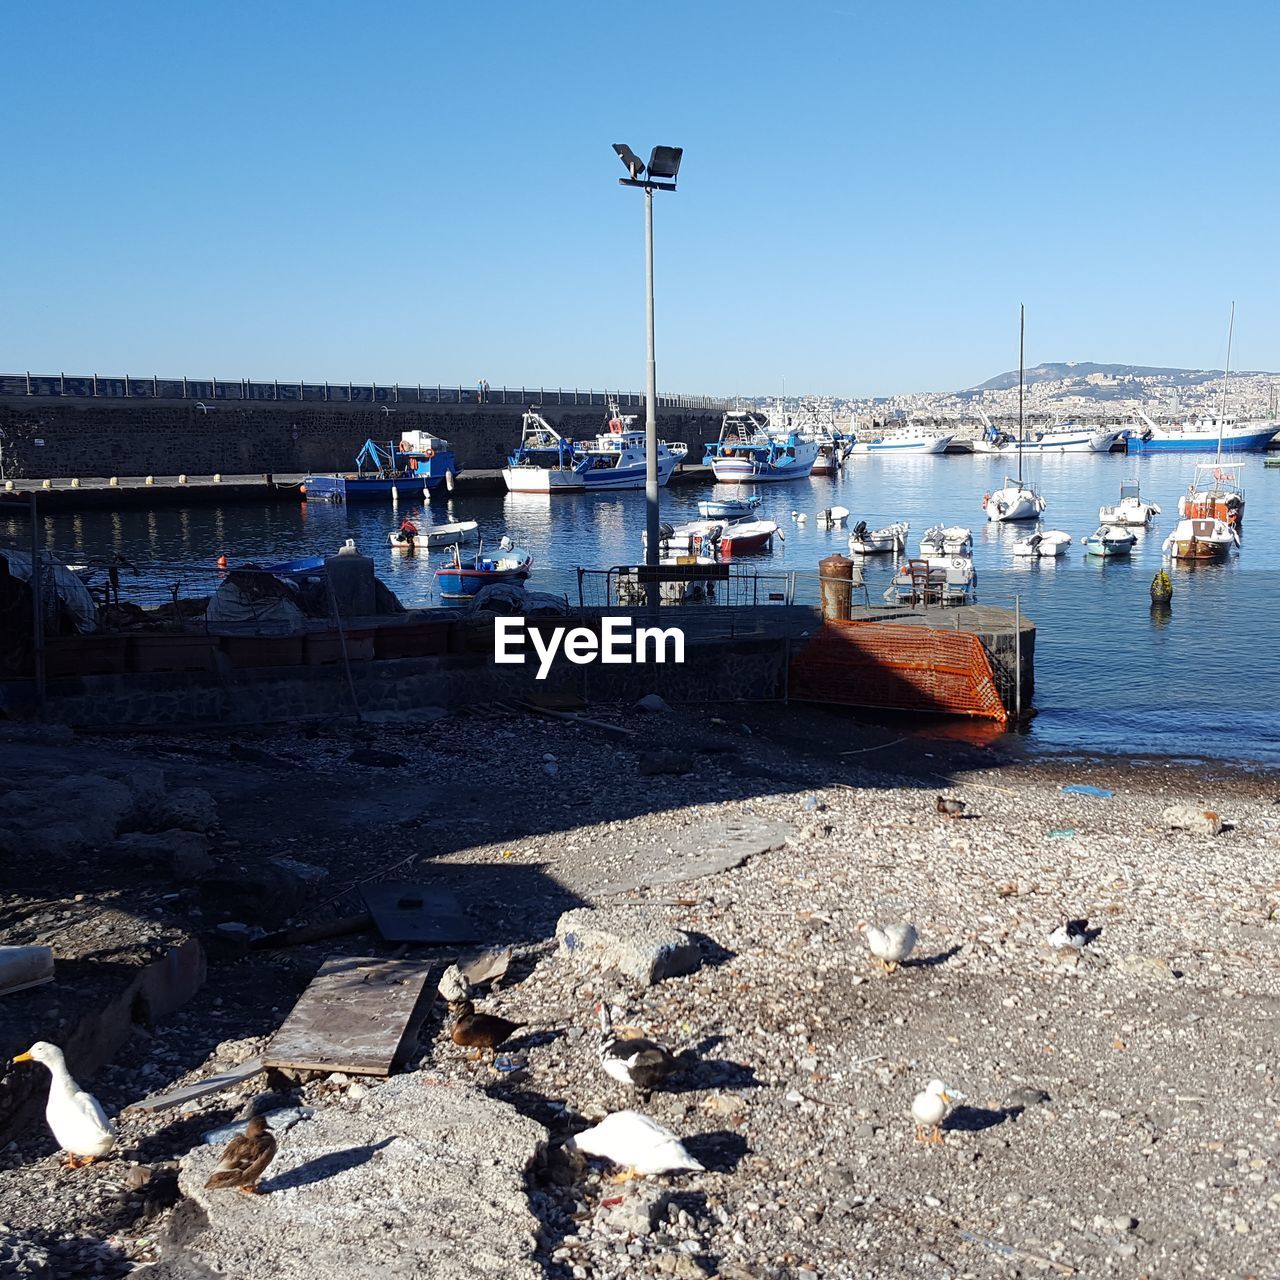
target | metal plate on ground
x=407, y=912
x=697, y=851
x=352, y=1017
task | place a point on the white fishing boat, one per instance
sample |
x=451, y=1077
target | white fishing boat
x=910, y=440
x=947, y=580
x=727, y=507
x=1204, y=538
x=1049, y=543
x=411, y=538
x=751, y=449
x=547, y=462
x=870, y=542
x=946, y=540
x=1132, y=510
x=1110, y=540
x=1064, y=438
x=830, y=517
x=1015, y=499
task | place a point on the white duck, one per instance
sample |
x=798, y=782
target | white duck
x=890, y=944
x=929, y=1109
x=77, y=1119
x=636, y=1143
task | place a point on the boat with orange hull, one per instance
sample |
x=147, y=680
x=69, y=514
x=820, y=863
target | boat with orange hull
x=1215, y=493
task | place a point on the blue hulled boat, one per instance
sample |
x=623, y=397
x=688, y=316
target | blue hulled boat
x=465, y=577
x=413, y=465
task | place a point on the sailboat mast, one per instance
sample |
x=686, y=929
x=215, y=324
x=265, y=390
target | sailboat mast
x=1022, y=336
x=1226, y=373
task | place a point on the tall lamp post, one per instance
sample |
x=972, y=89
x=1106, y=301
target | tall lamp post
x=658, y=175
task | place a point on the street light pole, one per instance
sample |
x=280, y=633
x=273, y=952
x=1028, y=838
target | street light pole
x=651, y=494
x=658, y=175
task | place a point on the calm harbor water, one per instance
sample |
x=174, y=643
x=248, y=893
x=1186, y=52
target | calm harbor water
x=1202, y=680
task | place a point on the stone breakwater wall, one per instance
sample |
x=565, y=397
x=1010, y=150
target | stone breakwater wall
x=57, y=438
x=752, y=671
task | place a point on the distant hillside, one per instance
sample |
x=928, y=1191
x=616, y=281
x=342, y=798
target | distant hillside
x=1081, y=370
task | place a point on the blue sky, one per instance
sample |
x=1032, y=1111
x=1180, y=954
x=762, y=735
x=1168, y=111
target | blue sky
x=426, y=192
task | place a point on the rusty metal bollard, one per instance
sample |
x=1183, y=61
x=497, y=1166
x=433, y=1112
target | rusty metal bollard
x=835, y=580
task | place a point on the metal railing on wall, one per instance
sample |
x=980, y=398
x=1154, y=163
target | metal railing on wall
x=128, y=387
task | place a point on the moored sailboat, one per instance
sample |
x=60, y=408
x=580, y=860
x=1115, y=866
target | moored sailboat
x=1015, y=499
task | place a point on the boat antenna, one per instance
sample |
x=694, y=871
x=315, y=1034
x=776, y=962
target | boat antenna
x=1226, y=373
x=1022, y=336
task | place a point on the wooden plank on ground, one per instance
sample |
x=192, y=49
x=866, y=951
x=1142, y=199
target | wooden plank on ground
x=352, y=1017
x=211, y=1084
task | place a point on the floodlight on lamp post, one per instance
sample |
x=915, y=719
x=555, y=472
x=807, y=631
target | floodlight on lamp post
x=658, y=175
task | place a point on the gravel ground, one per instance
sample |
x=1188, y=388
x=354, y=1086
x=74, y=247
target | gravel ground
x=1121, y=1109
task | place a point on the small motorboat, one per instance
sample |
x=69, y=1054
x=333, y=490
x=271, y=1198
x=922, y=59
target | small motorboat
x=946, y=540
x=1109, y=540
x=436, y=535
x=1204, y=538
x=463, y=578
x=869, y=542
x=934, y=580
x=687, y=538
x=1214, y=492
x=727, y=508
x=1132, y=510
x=1013, y=501
x=744, y=537
x=1050, y=543
x=830, y=517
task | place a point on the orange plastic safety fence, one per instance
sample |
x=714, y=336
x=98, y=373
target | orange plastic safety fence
x=906, y=668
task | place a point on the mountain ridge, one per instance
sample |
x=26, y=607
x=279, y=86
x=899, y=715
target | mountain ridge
x=1064, y=370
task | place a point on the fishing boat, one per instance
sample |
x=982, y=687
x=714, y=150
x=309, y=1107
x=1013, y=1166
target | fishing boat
x=436, y=535
x=546, y=462
x=909, y=440
x=947, y=580
x=946, y=540
x=415, y=464
x=1201, y=435
x=750, y=448
x=1206, y=538
x=1132, y=509
x=870, y=542
x=830, y=517
x=1064, y=438
x=463, y=578
x=727, y=508
x=1215, y=490
x=817, y=420
x=1015, y=499
x=1047, y=543
x=1109, y=540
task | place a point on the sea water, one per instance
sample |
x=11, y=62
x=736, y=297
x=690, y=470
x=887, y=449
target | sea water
x=1200, y=679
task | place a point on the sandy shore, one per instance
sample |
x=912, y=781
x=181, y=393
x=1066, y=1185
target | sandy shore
x=1120, y=1104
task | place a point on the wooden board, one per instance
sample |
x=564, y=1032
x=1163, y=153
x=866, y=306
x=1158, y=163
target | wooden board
x=407, y=912
x=352, y=1017
x=201, y=1088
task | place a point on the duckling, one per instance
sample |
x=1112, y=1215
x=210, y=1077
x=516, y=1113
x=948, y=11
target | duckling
x=478, y=1031
x=929, y=1109
x=643, y=1064
x=245, y=1158
x=890, y=945
x=950, y=808
x=77, y=1119
x=637, y=1144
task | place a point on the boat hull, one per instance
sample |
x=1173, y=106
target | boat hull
x=929, y=444
x=549, y=480
x=441, y=536
x=368, y=489
x=749, y=470
x=1251, y=441
x=1074, y=442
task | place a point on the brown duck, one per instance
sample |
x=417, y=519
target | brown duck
x=478, y=1031
x=245, y=1158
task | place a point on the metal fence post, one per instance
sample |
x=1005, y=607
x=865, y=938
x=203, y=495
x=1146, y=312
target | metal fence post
x=37, y=609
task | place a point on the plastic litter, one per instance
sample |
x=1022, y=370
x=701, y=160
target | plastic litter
x=1062, y=833
x=1083, y=789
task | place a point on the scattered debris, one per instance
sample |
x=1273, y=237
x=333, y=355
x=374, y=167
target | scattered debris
x=1084, y=789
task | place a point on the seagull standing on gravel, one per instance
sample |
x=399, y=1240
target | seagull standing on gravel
x=891, y=944
x=929, y=1109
